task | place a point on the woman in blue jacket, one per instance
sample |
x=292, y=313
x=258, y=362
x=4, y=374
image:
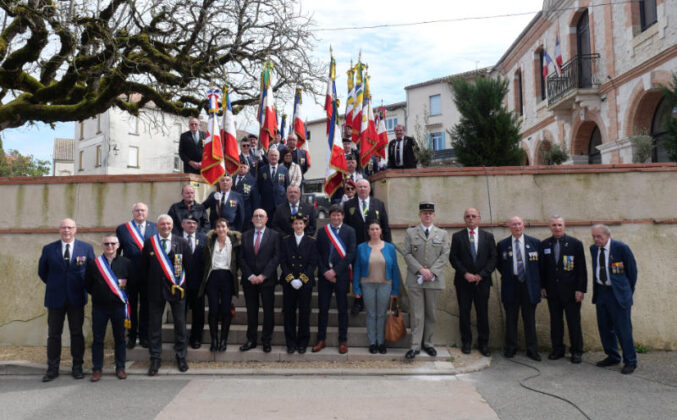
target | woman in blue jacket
x=376, y=277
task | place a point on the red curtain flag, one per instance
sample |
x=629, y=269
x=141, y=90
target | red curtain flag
x=212, y=168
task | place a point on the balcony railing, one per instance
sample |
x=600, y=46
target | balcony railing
x=577, y=73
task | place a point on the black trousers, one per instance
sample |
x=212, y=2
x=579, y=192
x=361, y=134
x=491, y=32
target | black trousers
x=466, y=294
x=512, y=310
x=196, y=304
x=324, y=291
x=252, y=292
x=55, y=319
x=572, y=311
x=137, y=292
x=219, y=295
x=292, y=300
x=155, y=310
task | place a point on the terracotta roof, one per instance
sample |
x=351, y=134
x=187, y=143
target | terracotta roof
x=63, y=149
x=468, y=74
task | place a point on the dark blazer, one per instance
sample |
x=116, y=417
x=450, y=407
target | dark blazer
x=460, y=256
x=102, y=295
x=128, y=247
x=622, y=272
x=408, y=155
x=64, y=283
x=531, y=267
x=298, y=261
x=353, y=217
x=282, y=222
x=250, y=194
x=195, y=271
x=561, y=280
x=340, y=265
x=231, y=210
x=267, y=259
x=208, y=251
x=179, y=211
x=188, y=150
x=158, y=285
x=300, y=157
x=272, y=191
x=256, y=162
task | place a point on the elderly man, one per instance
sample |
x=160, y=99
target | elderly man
x=353, y=174
x=245, y=184
x=272, y=183
x=132, y=235
x=615, y=275
x=401, y=150
x=473, y=256
x=191, y=144
x=178, y=211
x=106, y=280
x=520, y=286
x=564, y=280
x=196, y=303
x=426, y=251
x=299, y=156
x=165, y=260
x=62, y=268
x=282, y=221
x=227, y=204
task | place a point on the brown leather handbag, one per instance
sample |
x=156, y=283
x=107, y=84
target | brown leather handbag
x=395, y=328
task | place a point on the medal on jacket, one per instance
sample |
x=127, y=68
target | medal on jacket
x=135, y=233
x=114, y=286
x=173, y=272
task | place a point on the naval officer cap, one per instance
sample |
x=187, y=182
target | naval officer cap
x=426, y=206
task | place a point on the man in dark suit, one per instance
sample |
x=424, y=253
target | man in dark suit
x=473, y=256
x=166, y=259
x=272, y=182
x=257, y=156
x=337, y=246
x=564, y=279
x=520, y=286
x=132, y=236
x=615, y=275
x=62, y=268
x=191, y=146
x=401, y=150
x=245, y=184
x=196, y=241
x=179, y=210
x=299, y=156
x=227, y=204
x=258, y=262
x=282, y=219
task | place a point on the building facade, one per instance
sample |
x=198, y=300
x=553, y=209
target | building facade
x=615, y=57
x=62, y=157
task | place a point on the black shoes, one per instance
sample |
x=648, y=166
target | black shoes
x=291, y=349
x=555, y=355
x=533, y=355
x=301, y=349
x=144, y=343
x=484, y=350
x=131, y=343
x=154, y=367
x=50, y=376
x=181, y=364
x=247, y=346
x=382, y=349
x=195, y=344
x=430, y=350
x=465, y=348
x=411, y=354
x=628, y=369
x=608, y=362
x=77, y=373
x=267, y=348
x=576, y=358
x=373, y=349
x=358, y=306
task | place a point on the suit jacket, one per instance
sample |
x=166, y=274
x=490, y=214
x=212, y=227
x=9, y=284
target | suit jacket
x=561, y=279
x=256, y=161
x=195, y=271
x=159, y=287
x=622, y=272
x=102, y=295
x=64, y=283
x=408, y=155
x=128, y=247
x=231, y=210
x=282, y=223
x=361, y=267
x=531, y=267
x=267, y=259
x=376, y=210
x=208, y=252
x=272, y=192
x=298, y=261
x=188, y=150
x=250, y=194
x=460, y=256
x=431, y=252
x=179, y=211
x=300, y=157
x=330, y=258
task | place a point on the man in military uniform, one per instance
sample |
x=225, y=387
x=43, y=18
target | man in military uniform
x=426, y=251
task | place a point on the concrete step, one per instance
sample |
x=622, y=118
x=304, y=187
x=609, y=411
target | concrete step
x=279, y=354
x=240, y=302
x=357, y=336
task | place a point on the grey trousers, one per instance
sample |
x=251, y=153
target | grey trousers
x=376, y=298
x=422, y=304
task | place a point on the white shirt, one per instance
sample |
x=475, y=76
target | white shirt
x=366, y=204
x=475, y=238
x=191, y=243
x=70, y=248
x=605, y=264
x=142, y=228
x=221, y=256
x=520, y=243
x=168, y=246
x=298, y=238
x=430, y=229
x=262, y=232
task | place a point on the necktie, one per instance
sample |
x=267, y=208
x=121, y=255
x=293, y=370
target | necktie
x=365, y=209
x=237, y=180
x=191, y=242
x=473, y=250
x=602, y=267
x=140, y=226
x=196, y=138
x=520, y=262
x=294, y=210
x=556, y=251
x=398, y=161
x=257, y=244
x=427, y=232
x=164, y=244
x=272, y=172
x=67, y=255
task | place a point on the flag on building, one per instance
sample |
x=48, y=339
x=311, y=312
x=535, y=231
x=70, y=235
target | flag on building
x=351, y=97
x=358, y=103
x=336, y=158
x=231, y=148
x=212, y=168
x=547, y=61
x=558, y=55
x=266, y=115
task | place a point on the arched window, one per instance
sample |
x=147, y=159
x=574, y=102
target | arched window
x=658, y=132
x=517, y=88
x=594, y=155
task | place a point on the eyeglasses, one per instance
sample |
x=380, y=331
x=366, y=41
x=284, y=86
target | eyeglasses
x=67, y=227
x=350, y=189
x=244, y=145
x=110, y=243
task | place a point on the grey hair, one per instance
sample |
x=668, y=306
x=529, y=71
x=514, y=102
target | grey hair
x=604, y=228
x=164, y=216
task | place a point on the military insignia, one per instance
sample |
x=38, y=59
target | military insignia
x=437, y=240
x=197, y=241
x=505, y=255
x=280, y=177
x=546, y=251
x=567, y=262
x=265, y=175
x=152, y=253
x=617, y=268
x=533, y=256
x=232, y=203
x=302, y=161
x=510, y=254
x=377, y=214
x=80, y=260
x=351, y=211
x=246, y=188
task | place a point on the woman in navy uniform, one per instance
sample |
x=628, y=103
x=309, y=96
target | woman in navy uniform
x=299, y=257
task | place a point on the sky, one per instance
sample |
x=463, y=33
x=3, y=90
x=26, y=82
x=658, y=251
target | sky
x=471, y=35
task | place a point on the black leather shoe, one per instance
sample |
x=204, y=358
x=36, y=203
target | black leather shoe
x=195, y=344
x=181, y=364
x=77, y=373
x=131, y=343
x=373, y=349
x=465, y=348
x=154, y=367
x=534, y=356
x=301, y=350
x=411, y=354
x=290, y=350
x=628, y=369
x=214, y=345
x=509, y=354
x=576, y=358
x=267, y=348
x=431, y=351
x=247, y=346
x=50, y=376
x=484, y=350
x=223, y=344
x=555, y=355
x=607, y=362
x=358, y=306
x=382, y=349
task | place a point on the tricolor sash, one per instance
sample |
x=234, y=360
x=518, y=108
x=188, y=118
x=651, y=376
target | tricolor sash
x=135, y=233
x=340, y=248
x=167, y=266
x=113, y=284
